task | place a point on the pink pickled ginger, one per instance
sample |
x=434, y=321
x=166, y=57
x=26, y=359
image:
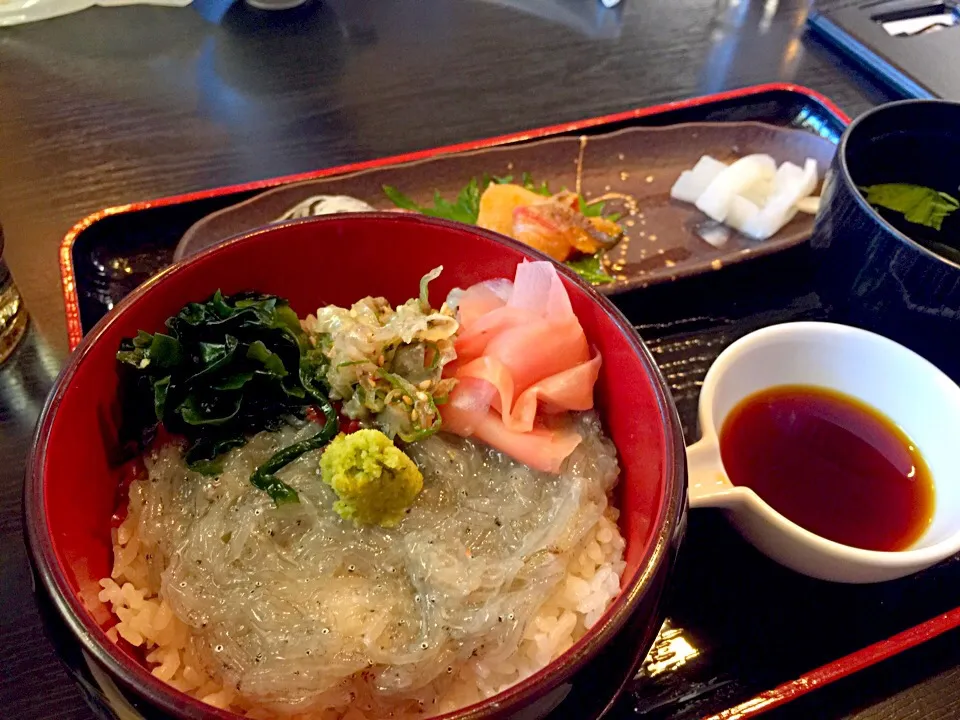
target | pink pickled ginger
x=522, y=359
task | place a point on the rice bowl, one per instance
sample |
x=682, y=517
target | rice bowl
x=564, y=621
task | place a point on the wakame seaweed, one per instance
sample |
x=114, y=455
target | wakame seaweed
x=226, y=369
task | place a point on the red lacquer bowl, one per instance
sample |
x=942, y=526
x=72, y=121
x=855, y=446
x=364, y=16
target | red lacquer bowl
x=73, y=469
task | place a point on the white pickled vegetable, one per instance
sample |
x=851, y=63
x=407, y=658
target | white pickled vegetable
x=734, y=180
x=794, y=185
x=691, y=183
x=809, y=205
x=753, y=195
x=741, y=212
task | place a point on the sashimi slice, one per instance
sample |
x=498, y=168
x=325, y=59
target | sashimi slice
x=477, y=301
x=517, y=359
x=539, y=289
x=568, y=390
x=473, y=393
x=540, y=448
x=483, y=383
x=745, y=172
x=486, y=383
x=473, y=339
x=537, y=292
x=534, y=351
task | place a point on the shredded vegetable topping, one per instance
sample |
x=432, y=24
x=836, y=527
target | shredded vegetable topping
x=385, y=364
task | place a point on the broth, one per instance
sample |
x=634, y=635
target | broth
x=831, y=464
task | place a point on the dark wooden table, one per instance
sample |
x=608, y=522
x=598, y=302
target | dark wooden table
x=116, y=105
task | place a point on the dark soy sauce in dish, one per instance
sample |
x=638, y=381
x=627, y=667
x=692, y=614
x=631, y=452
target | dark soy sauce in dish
x=831, y=464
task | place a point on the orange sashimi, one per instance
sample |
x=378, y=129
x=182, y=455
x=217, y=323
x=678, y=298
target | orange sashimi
x=537, y=288
x=522, y=355
x=492, y=385
x=472, y=341
x=498, y=203
x=571, y=389
x=538, y=350
x=477, y=301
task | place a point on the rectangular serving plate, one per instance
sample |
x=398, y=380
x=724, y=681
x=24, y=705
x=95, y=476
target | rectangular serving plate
x=714, y=657
x=110, y=252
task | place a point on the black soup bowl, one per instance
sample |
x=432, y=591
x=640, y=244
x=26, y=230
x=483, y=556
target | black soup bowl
x=877, y=270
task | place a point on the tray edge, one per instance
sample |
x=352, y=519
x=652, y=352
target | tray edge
x=842, y=667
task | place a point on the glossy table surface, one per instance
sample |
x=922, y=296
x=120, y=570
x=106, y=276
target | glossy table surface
x=116, y=105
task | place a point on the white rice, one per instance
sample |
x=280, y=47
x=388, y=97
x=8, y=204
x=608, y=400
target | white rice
x=146, y=621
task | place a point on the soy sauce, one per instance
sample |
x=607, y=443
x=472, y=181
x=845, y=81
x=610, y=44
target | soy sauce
x=831, y=464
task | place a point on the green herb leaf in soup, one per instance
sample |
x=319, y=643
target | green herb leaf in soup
x=918, y=204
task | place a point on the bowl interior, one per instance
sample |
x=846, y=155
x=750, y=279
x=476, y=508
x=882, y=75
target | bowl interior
x=73, y=488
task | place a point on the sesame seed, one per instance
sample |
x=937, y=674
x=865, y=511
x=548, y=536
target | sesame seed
x=408, y=400
x=425, y=384
x=422, y=396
